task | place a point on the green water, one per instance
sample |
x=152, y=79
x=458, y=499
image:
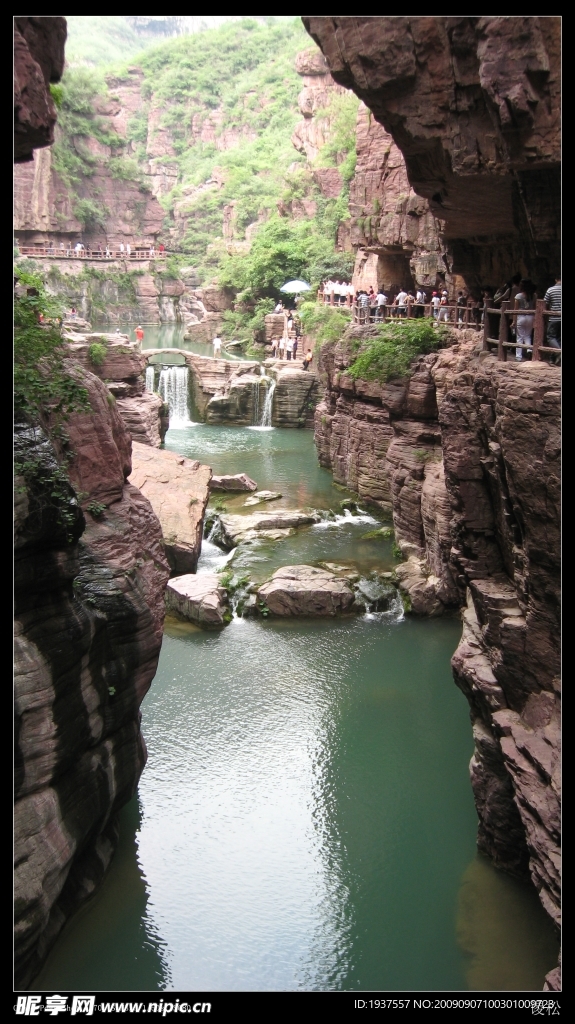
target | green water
x=305, y=818
x=172, y=336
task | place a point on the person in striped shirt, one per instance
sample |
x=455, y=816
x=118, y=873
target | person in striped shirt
x=553, y=303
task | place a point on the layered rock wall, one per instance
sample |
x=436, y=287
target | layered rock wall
x=90, y=573
x=122, y=368
x=38, y=61
x=465, y=455
x=473, y=105
x=399, y=241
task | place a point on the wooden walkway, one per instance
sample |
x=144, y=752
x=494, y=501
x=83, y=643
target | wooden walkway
x=55, y=253
x=500, y=321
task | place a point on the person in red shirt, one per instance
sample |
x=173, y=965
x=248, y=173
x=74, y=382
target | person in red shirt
x=139, y=333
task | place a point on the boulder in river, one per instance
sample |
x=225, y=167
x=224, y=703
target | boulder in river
x=273, y=525
x=239, y=482
x=421, y=587
x=178, y=490
x=260, y=496
x=199, y=598
x=305, y=590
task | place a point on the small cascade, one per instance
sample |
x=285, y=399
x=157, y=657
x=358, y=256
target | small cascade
x=173, y=387
x=266, y=420
x=150, y=378
x=379, y=597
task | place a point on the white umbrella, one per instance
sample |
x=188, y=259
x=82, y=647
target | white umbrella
x=294, y=287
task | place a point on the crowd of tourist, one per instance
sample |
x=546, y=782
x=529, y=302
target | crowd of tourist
x=342, y=292
x=463, y=309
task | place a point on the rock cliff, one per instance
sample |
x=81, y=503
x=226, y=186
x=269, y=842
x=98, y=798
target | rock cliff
x=122, y=369
x=38, y=61
x=465, y=455
x=473, y=105
x=90, y=577
x=397, y=237
x=90, y=574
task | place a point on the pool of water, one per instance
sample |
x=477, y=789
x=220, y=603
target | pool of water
x=305, y=819
x=172, y=336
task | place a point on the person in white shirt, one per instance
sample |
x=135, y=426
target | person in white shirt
x=282, y=346
x=435, y=302
x=381, y=304
x=289, y=348
x=128, y=249
x=217, y=346
x=444, y=307
x=279, y=308
x=122, y=248
x=401, y=303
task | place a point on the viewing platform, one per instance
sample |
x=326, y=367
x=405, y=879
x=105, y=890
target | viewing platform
x=55, y=253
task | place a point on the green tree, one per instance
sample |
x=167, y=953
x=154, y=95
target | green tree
x=42, y=382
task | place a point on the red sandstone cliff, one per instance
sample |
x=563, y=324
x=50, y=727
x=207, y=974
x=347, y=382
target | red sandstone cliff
x=89, y=615
x=465, y=453
x=38, y=60
x=473, y=105
x=90, y=574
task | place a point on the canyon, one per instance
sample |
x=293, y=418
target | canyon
x=456, y=181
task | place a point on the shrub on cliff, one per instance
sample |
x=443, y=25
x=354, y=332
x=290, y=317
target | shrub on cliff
x=247, y=324
x=398, y=343
x=41, y=381
x=323, y=323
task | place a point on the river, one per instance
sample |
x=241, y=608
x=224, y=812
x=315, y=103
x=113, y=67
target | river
x=305, y=819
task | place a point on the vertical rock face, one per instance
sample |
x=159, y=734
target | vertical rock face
x=319, y=88
x=38, y=60
x=89, y=616
x=500, y=431
x=473, y=105
x=465, y=453
x=397, y=237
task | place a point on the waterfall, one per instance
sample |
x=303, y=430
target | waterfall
x=150, y=376
x=173, y=387
x=266, y=420
x=256, y=412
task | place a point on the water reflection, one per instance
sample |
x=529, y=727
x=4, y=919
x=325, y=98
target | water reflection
x=501, y=925
x=112, y=944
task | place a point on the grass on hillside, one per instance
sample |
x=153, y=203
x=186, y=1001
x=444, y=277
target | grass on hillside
x=246, y=71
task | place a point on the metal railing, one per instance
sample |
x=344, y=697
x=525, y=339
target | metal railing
x=503, y=328
x=54, y=252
